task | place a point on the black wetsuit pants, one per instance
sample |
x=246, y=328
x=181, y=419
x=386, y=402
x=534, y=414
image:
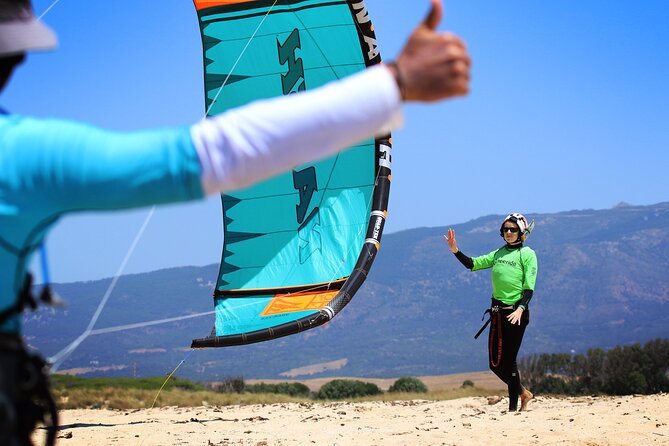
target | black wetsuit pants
x=504, y=342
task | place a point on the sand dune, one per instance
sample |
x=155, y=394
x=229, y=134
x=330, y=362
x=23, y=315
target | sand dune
x=587, y=421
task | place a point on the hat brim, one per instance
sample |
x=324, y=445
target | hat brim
x=25, y=35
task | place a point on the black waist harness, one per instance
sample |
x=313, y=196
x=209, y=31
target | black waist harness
x=493, y=311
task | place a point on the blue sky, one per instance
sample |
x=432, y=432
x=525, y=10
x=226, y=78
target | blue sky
x=569, y=109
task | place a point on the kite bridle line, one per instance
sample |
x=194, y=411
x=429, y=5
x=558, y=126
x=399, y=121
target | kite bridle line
x=59, y=357
x=47, y=9
x=248, y=42
x=149, y=323
x=190, y=352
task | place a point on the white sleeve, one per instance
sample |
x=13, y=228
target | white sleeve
x=264, y=138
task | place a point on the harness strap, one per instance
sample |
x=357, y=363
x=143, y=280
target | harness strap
x=478, y=333
x=25, y=397
x=496, y=319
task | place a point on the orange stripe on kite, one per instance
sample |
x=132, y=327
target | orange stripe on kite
x=203, y=4
x=290, y=303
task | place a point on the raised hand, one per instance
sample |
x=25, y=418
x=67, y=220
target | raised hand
x=450, y=239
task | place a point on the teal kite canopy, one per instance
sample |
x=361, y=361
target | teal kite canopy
x=298, y=246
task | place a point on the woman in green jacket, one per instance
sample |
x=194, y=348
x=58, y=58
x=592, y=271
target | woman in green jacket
x=514, y=273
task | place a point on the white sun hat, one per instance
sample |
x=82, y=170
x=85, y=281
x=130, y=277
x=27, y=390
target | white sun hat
x=21, y=31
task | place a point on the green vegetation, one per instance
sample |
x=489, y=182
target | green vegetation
x=467, y=383
x=124, y=393
x=340, y=389
x=123, y=399
x=151, y=383
x=292, y=389
x=620, y=371
x=233, y=384
x=408, y=384
x=237, y=385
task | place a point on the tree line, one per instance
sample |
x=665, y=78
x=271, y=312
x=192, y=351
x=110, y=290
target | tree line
x=623, y=370
x=337, y=389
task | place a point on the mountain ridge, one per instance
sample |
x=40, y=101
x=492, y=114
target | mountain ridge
x=602, y=282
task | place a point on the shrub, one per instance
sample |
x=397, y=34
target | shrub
x=292, y=389
x=552, y=385
x=408, y=384
x=467, y=383
x=623, y=370
x=339, y=389
x=233, y=384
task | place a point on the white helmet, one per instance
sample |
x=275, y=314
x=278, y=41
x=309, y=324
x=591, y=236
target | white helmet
x=523, y=225
x=21, y=31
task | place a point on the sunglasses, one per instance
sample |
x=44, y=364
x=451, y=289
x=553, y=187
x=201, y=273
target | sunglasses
x=512, y=230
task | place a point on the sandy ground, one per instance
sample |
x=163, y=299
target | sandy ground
x=629, y=420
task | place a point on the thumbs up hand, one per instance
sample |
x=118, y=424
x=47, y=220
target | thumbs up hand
x=432, y=65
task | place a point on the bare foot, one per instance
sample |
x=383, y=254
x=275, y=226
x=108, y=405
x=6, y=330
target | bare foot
x=525, y=397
